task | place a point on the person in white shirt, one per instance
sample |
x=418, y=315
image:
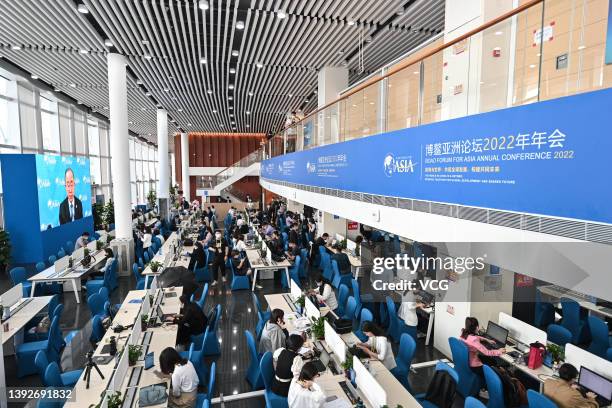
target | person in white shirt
x=378, y=346
x=325, y=293
x=238, y=242
x=82, y=241
x=184, y=391
x=288, y=364
x=304, y=392
x=146, y=238
x=408, y=309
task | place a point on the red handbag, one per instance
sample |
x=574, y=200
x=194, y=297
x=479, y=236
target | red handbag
x=537, y=351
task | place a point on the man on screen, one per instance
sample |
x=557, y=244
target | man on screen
x=71, y=208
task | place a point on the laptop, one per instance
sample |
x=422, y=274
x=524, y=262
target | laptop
x=593, y=382
x=161, y=315
x=321, y=362
x=496, y=333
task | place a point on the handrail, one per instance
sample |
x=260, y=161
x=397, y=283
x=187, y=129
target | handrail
x=408, y=62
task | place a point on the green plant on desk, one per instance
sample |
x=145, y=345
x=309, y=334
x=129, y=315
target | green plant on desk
x=318, y=327
x=134, y=353
x=5, y=249
x=144, y=320
x=301, y=301
x=556, y=352
x=154, y=265
x=99, y=244
x=114, y=400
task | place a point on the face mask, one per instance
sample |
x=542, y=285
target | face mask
x=217, y=236
x=234, y=240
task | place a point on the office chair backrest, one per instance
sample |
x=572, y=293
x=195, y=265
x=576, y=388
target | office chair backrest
x=61, y=253
x=104, y=293
x=41, y=361
x=53, y=376
x=599, y=336
x=136, y=272
x=343, y=293
x=267, y=369
x=40, y=266
x=18, y=275
x=442, y=366
x=558, y=334
x=407, y=347
x=571, y=314
x=215, y=324
x=495, y=388
x=349, y=310
x=97, y=330
x=366, y=316
x=251, y=345
x=57, y=312
x=52, y=259
x=472, y=402
x=211, y=379
x=52, y=305
x=537, y=400
x=96, y=304
x=256, y=301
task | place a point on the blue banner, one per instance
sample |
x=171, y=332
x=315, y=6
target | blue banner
x=64, y=189
x=549, y=158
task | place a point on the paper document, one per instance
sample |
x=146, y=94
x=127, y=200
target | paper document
x=337, y=403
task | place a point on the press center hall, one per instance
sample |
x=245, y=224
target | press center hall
x=305, y=204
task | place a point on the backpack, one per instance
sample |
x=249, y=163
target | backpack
x=441, y=390
x=515, y=394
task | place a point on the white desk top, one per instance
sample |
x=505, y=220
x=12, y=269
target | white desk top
x=18, y=320
x=354, y=260
x=256, y=262
x=49, y=273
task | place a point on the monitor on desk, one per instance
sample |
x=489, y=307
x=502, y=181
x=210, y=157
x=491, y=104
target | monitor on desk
x=351, y=246
x=296, y=291
x=120, y=372
x=367, y=384
x=497, y=333
x=311, y=310
x=269, y=256
x=92, y=246
x=596, y=383
x=335, y=342
x=12, y=296
x=61, y=264
x=136, y=329
x=339, y=237
x=78, y=254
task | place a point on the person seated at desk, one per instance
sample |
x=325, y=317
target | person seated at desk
x=292, y=251
x=241, y=226
x=563, y=391
x=288, y=365
x=276, y=245
x=157, y=233
x=378, y=346
x=197, y=256
x=207, y=236
x=342, y=259
x=469, y=335
x=146, y=238
x=82, y=241
x=325, y=292
x=304, y=392
x=238, y=242
x=110, y=258
x=191, y=321
x=266, y=229
x=274, y=334
x=358, y=242
x=242, y=266
x=184, y=385
x=294, y=235
x=320, y=241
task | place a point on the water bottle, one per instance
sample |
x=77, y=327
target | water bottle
x=113, y=346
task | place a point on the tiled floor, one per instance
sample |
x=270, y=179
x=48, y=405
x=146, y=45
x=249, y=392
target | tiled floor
x=238, y=314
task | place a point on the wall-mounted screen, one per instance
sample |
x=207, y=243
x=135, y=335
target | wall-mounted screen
x=64, y=189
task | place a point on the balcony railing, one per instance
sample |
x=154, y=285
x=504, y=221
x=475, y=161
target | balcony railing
x=542, y=49
x=210, y=182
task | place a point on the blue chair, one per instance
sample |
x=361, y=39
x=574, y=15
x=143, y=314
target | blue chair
x=141, y=263
x=294, y=272
x=440, y=366
x=196, y=356
x=469, y=383
x=151, y=253
x=558, y=334
x=67, y=379
x=303, y=264
x=69, y=247
x=52, y=311
x=94, y=285
x=495, y=388
x=537, y=400
x=97, y=330
x=357, y=295
x=140, y=281
x=472, y=402
x=202, y=402
x=40, y=266
x=202, y=273
x=265, y=313
x=407, y=347
x=366, y=316
x=239, y=282
x=600, y=339
x=261, y=322
x=19, y=275
x=572, y=320
x=212, y=346
x=96, y=305
x=49, y=403
x=25, y=353
x=146, y=257
x=254, y=372
x=544, y=311
x=202, y=301
x=349, y=309
x=61, y=253
x=343, y=294
x=326, y=266
x=210, y=389
x=396, y=325
x=113, y=280
x=339, y=278
x=52, y=260
x=266, y=367
x=609, y=354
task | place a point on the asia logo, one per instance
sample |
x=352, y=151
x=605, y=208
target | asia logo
x=311, y=167
x=402, y=164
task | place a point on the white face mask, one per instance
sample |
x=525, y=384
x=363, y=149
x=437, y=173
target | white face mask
x=217, y=236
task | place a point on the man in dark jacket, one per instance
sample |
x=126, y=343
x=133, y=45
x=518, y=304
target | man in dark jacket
x=191, y=321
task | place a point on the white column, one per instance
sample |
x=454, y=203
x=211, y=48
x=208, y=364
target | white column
x=119, y=145
x=120, y=161
x=331, y=81
x=185, y=165
x=163, y=189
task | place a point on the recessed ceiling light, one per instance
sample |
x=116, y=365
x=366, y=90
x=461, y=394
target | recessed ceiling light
x=306, y=101
x=259, y=65
x=251, y=93
x=81, y=8
x=56, y=89
x=34, y=76
x=351, y=22
x=16, y=47
x=209, y=91
x=147, y=93
x=400, y=12
x=130, y=123
x=73, y=85
x=189, y=124
x=341, y=52
x=498, y=33
x=220, y=124
x=203, y=61
x=368, y=39
x=214, y=111
x=144, y=42
x=147, y=57
x=235, y=53
x=138, y=82
x=581, y=47
x=203, y=5
x=233, y=123
x=281, y=14
x=149, y=134
x=166, y=89
x=180, y=109
x=143, y=109
x=248, y=126
x=231, y=108
x=231, y=98
x=106, y=108
x=415, y=72
x=108, y=43
x=344, y=63
x=84, y=51
x=532, y=66
x=170, y=77
x=240, y=25
x=290, y=96
x=247, y=112
x=231, y=86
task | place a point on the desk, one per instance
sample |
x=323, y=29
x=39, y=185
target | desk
x=557, y=292
x=163, y=336
x=160, y=257
x=151, y=222
x=49, y=275
x=540, y=374
x=16, y=324
x=258, y=265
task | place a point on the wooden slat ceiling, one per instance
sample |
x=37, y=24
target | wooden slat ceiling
x=164, y=41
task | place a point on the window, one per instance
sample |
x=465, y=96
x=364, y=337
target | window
x=10, y=140
x=49, y=125
x=27, y=119
x=64, y=128
x=80, y=136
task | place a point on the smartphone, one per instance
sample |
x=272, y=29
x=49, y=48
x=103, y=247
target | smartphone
x=149, y=360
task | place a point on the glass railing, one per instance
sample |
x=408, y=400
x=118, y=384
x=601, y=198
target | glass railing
x=210, y=182
x=542, y=49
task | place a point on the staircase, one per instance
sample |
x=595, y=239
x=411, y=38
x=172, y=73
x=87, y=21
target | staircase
x=247, y=166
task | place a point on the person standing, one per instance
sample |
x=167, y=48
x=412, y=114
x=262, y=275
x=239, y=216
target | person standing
x=221, y=253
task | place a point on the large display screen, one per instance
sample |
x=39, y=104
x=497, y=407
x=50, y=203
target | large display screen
x=550, y=158
x=64, y=189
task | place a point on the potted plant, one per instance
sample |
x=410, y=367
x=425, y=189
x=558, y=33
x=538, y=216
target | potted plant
x=151, y=300
x=134, y=353
x=114, y=400
x=5, y=249
x=98, y=214
x=347, y=366
x=144, y=319
x=70, y=261
x=154, y=265
x=318, y=328
x=109, y=213
x=152, y=198
x=556, y=352
x=99, y=244
x=300, y=302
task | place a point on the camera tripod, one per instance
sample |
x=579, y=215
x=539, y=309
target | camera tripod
x=90, y=364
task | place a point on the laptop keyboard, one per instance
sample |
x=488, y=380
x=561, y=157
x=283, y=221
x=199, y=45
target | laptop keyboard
x=20, y=305
x=348, y=392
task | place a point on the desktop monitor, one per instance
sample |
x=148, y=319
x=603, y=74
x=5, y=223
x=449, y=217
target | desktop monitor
x=594, y=382
x=78, y=254
x=339, y=237
x=351, y=245
x=120, y=372
x=368, y=385
x=311, y=310
x=61, y=264
x=92, y=247
x=335, y=342
x=497, y=333
x=296, y=291
x=12, y=296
